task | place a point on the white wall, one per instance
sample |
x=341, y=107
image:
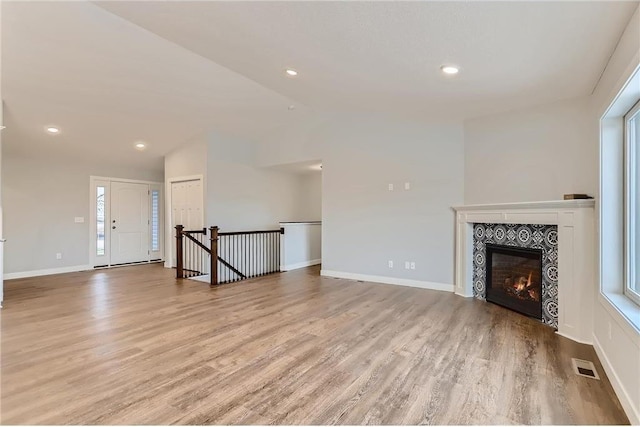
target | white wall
x=301, y=245
x=188, y=160
x=534, y=154
x=309, y=199
x=41, y=198
x=242, y=196
x=364, y=224
x=615, y=339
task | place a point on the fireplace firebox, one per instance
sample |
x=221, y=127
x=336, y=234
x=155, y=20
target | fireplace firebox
x=514, y=278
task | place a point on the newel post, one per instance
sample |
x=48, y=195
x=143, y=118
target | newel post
x=179, y=260
x=213, y=269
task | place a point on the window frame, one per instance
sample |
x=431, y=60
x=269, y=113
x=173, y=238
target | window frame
x=631, y=222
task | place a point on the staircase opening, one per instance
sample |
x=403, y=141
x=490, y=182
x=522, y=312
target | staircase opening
x=224, y=257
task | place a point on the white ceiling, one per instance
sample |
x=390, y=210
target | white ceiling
x=107, y=84
x=386, y=56
x=165, y=72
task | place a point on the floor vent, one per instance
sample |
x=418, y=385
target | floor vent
x=584, y=368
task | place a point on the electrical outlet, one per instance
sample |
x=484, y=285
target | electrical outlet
x=390, y=264
x=58, y=255
x=413, y=265
x=407, y=265
x=78, y=219
x=390, y=187
x=407, y=186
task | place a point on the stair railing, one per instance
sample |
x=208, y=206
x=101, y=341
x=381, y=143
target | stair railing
x=229, y=257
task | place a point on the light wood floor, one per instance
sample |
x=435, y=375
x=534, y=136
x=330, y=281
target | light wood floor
x=134, y=346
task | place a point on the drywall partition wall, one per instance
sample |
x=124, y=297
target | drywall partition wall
x=364, y=225
x=241, y=196
x=300, y=245
x=616, y=341
x=42, y=196
x=300, y=141
x=534, y=154
x=309, y=201
x=187, y=161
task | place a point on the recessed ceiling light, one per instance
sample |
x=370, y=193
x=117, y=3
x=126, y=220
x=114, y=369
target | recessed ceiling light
x=141, y=145
x=53, y=130
x=450, y=69
x=291, y=72
x=291, y=107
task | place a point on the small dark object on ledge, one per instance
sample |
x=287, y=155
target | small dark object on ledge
x=577, y=196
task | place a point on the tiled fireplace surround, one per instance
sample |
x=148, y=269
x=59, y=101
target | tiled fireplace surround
x=530, y=236
x=567, y=306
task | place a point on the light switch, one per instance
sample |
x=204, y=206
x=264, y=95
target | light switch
x=407, y=186
x=390, y=187
x=79, y=219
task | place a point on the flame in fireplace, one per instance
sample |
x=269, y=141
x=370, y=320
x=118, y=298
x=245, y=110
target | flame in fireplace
x=524, y=287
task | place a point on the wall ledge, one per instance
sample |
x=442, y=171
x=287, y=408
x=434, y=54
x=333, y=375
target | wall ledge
x=550, y=204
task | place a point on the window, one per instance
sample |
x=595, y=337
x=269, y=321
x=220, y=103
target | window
x=155, y=220
x=632, y=203
x=100, y=218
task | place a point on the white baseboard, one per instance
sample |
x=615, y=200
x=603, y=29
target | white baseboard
x=300, y=265
x=46, y=272
x=389, y=280
x=632, y=412
x=462, y=294
x=564, y=334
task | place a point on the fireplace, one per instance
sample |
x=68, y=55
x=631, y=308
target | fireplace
x=514, y=278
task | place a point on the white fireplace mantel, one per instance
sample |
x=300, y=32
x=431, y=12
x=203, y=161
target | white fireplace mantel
x=576, y=254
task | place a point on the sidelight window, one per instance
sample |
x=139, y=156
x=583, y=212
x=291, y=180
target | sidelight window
x=100, y=220
x=155, y=220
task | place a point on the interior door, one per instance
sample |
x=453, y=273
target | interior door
x=129, y=222
x=186, y=204
x=187, y=200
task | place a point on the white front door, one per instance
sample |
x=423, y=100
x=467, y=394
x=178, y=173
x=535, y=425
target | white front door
x=129, y=222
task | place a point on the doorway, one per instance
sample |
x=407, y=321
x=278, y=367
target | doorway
x=186, y=208
x=126, y=222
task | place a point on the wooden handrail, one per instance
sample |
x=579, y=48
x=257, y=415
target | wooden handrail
x=239, y=233
x=203, y=231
